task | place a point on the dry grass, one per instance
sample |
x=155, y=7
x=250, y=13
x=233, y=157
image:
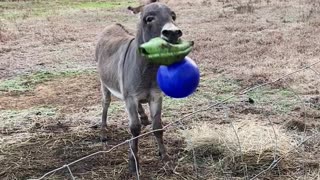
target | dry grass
x=253, y=144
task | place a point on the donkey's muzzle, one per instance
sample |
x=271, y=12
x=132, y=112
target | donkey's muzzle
x=171, y=33
x=172, y=36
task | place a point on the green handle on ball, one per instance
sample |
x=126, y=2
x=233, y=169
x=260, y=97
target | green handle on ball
x=159, y=51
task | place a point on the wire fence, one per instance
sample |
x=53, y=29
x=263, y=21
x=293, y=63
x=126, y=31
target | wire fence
x=220, y=104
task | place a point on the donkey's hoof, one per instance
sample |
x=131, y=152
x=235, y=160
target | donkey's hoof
x=133, y=172
x=103, y=139
x=103, y=135
x=164, y=157
x=169, y=164
x=133, y=169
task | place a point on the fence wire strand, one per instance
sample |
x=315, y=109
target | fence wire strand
x=315, y=71
x=275, y=162
x=275, y=139
x=210, y=106
x=71, y=174
x=135, y=160
x=226, y=115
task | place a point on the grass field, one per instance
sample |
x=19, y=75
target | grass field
x=50, y=102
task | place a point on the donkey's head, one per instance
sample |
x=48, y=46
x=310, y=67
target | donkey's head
x=157, y=20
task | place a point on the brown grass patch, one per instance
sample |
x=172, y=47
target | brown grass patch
x=252, y=144
x=70, y=94
x=44, y=152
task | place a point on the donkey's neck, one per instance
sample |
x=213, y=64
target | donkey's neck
x=141, y=61
x=141, y=73
x=139, y=40
x=139, y=36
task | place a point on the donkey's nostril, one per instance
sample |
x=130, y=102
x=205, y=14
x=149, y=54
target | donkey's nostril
x=172, y=34
x=166, y=33
x=179, y=33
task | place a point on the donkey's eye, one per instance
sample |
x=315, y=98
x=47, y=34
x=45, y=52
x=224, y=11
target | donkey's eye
x=149, y=19
x=174, y=17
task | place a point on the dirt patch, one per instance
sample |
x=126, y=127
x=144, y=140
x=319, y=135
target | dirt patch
x=69, y=94
x=27, y=159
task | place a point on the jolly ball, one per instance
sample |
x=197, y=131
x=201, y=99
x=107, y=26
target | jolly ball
x=180, y=79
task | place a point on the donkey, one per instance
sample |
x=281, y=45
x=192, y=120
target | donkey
x=127, y=75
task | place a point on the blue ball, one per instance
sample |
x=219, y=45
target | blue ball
x=180, y=79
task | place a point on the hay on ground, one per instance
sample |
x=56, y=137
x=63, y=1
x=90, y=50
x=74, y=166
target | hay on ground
x=248, y=143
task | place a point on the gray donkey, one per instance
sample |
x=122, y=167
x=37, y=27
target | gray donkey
x=128, y=76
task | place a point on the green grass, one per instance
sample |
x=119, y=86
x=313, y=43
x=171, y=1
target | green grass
x=116, y=107
x=209, y=90
x=45, y=8
x=17, y=118
x=221, y=88
x=104, y=5
x=39, y=111
x=217, y=89
x=281, y=100
x=25, y=9
x=28, y=82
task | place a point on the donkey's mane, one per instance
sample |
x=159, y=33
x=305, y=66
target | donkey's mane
x=124, y=29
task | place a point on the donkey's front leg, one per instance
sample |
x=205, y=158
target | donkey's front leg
x=135, y=128
x=155, y=106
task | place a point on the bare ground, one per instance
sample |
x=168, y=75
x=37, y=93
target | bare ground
x=237, y=46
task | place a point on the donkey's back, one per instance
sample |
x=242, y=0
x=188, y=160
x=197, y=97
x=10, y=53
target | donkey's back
x=111, y=40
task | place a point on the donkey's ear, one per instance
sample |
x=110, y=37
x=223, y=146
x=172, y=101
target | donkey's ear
x=135, y=10
x=148, y=1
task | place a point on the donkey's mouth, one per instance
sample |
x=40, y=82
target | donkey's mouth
x=160, y=51
x=172, y=41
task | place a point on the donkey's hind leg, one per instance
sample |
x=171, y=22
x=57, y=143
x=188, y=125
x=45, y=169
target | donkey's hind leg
x=143, y=116
x=106, y=100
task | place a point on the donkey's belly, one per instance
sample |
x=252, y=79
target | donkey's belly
x=115, y=93
x=148, y=95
